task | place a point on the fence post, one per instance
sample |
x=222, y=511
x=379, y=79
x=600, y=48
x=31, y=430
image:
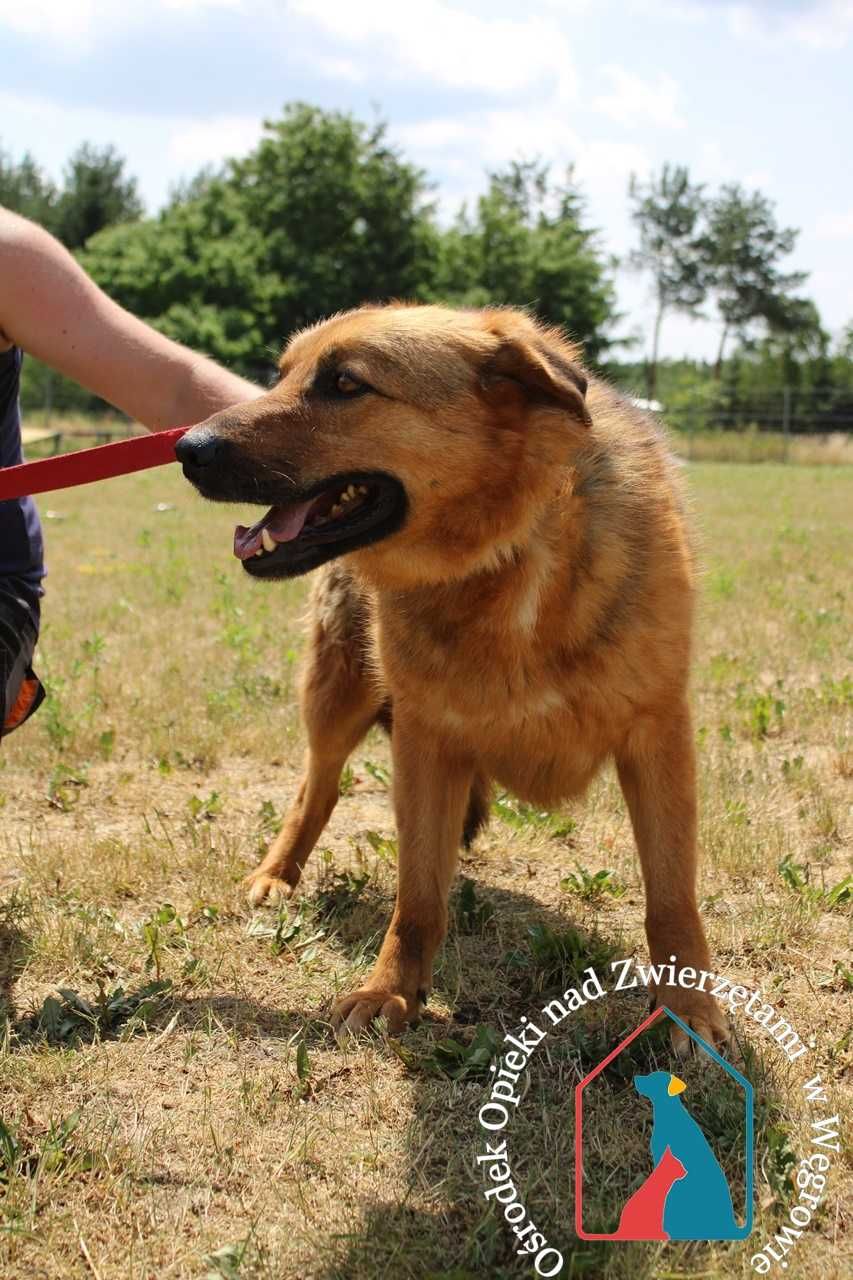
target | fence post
x=786, y=420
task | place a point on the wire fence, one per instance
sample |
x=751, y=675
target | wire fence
x=789, y=423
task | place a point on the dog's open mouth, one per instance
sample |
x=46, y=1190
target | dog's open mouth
x=344, y=513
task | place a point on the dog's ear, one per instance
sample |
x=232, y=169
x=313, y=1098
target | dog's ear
x=545, y=375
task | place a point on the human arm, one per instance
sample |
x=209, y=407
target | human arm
x=50, y=308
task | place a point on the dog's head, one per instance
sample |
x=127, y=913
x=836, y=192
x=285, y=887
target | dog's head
x=659, y=1085
x=423, y=438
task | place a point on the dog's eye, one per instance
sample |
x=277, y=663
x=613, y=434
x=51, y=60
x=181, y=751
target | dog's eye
x=348, y=385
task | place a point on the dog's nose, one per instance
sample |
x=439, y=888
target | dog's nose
x=199, y=448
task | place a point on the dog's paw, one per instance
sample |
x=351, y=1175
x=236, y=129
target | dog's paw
x=261, y=887
x=700, y=1012
x=357, y=1010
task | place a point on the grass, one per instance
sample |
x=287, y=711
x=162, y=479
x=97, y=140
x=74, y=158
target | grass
x=172, y=1101
x=754, y=445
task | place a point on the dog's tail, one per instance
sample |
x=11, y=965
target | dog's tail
x=479, y=805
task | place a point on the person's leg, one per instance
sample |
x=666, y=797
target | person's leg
x=20, y=689
x=21, y=566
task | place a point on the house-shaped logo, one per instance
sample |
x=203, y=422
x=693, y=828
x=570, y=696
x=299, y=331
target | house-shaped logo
x=680, y=1189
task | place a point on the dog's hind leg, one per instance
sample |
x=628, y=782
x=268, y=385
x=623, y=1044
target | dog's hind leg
x=339, y=704
x=477, y=817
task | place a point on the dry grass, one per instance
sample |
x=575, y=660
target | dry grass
x=216, y=1128
x=834, y=449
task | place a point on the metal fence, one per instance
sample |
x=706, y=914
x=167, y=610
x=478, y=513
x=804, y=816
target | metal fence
x=706, y=420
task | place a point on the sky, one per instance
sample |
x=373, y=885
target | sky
x=757, y=92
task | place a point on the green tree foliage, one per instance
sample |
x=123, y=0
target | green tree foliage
x=96, y=193
x=25, y=188
x=324, y=214
x=529, y=245
x=743, y=248
x=667, y=212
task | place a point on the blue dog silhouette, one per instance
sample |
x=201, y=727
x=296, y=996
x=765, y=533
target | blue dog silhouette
x=699, y=1205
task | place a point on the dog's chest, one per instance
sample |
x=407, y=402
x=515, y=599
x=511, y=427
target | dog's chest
x=530, y=723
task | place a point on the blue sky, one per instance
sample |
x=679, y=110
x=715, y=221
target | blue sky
x=757, y=92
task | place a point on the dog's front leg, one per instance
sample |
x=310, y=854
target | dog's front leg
x=432, y=783
x=658, y=776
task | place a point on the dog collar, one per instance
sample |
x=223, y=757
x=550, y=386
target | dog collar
x=101, y=463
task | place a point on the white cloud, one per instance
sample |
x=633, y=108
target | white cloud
x=61, y=21
x=828, y=25
x=76, y=25
x=459, y=150
x=634, y=101
x=192, y=144
x=823, y=25
x=835, y=226
x=448, y=45
x=162, y=149
x=346, y=69
x=758, y=179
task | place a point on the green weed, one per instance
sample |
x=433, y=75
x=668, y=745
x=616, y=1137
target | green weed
x=69, y=1019
x=796, y=876
x=471, y=913
x=340, y=892
x=559, y=955
x=385, y=847
x=515, y=813
x=378, y=773
x=450, y=1058
x=592, y=886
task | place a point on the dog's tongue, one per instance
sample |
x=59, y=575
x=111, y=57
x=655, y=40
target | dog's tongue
x=282, y=523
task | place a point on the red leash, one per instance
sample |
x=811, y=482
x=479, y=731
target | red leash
x=101, y=463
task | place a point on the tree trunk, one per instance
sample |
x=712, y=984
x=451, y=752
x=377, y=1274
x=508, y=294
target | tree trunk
x=652, y=366
x=718, y=365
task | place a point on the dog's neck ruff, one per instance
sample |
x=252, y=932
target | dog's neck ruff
x=87, y=465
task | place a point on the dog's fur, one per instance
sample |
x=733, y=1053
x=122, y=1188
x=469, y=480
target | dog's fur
x=530, y=619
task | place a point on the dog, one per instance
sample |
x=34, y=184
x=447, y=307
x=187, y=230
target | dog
x=507, y=583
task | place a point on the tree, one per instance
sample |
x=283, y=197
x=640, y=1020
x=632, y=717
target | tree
x=529, y=246
x=322, y=215
x=96, y=193
x=666, y=211
x=742, y=248
x=25, y=189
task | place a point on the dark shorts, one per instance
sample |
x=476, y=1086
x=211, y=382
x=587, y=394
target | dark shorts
x=21, y=691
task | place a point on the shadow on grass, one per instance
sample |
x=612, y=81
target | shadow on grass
x=14, y=949
x=507, y=956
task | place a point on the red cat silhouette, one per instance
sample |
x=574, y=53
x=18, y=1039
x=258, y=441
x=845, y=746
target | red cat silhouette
x=642, y=1217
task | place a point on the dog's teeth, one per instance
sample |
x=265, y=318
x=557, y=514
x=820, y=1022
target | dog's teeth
x=268, y=540
x=260, y=551
x=351, y=491
x=362, y=489
x=346, y=496
x=337, y=509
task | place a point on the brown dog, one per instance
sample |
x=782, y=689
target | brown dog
x=516, y=591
